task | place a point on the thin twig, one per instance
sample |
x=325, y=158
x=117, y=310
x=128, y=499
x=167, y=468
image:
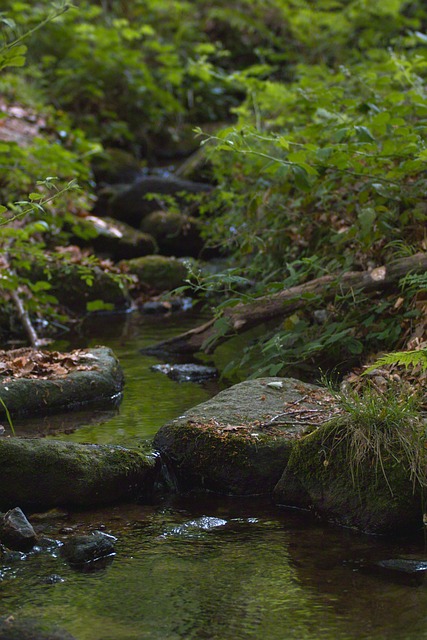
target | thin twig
x=25, y=319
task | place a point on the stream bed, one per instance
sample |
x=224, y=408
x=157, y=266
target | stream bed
x=201, y=568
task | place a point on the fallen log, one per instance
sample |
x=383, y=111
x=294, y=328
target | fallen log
x=246, y=315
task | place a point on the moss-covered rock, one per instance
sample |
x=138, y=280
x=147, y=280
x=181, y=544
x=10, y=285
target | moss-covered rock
x=113, y=238
x=47, y=473
x=196, y=167
x=114, y=166
x=176, y=234
x=76, y=285
x=104, y=196
x=133, y=204
x=239, y=442
x=101, y=382
x=373, y=497
x=160, y=273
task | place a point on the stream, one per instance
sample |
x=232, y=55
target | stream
x=201, y=568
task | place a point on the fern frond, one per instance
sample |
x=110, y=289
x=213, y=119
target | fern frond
x=414, y=283
x=404, y=358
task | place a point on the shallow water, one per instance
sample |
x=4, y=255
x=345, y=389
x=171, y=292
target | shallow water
x=150, y=398
x=219, y=569
x=204, y=568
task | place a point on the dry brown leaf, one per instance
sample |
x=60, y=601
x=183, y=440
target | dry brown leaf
x=37, y=364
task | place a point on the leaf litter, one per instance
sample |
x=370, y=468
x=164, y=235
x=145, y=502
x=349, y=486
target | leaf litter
x=43, y=365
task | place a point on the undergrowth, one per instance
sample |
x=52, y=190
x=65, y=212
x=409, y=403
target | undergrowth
x=383, y=430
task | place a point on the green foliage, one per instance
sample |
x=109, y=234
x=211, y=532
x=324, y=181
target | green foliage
x=321, y=171
x=337, y=157
x=126, y=72
x=407, y=359
x=29, y=222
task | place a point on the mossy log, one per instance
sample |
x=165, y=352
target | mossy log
x=284, y=303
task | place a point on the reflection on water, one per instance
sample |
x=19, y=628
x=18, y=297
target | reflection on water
x=219, y=570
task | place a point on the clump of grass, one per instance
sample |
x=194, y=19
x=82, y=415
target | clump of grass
x=8, y=416
x=382, y=429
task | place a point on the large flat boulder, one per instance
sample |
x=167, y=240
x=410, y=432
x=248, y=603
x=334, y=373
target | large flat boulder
x=40, y=474
x=239, y=442
x=81, y=378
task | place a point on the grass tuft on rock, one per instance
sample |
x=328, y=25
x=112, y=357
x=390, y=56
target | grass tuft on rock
x=382, y=428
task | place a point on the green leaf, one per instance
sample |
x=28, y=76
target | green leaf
x=16, y=61
x=40, y=285
x=99, y=305
x=301, y=178
x=363, y=134
x=367, y=217
x=403, y=358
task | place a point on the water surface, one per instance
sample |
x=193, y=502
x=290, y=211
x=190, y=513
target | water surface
x=220, y=569
x=150, y=398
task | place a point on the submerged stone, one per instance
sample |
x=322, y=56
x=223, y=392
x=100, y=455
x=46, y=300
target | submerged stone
x=186, y=372
x=79, y=550
x=16, y=532
x=48, y=473
x=240, y=441
x=160, y=307
x=407, y=571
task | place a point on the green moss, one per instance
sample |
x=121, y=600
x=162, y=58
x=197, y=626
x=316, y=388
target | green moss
x=175, y=233
x=369, y=496
x=115, y=166
x=225, y=445
x=76, y=284
x=48, y=473
x=116, y=239
x=158, y=272
x=206, y=457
